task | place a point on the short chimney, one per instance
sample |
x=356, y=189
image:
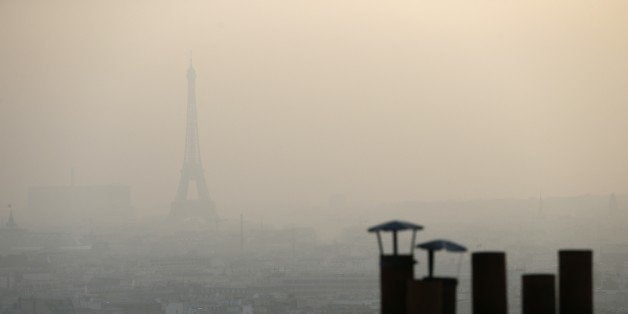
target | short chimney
x=575, y=281
x=489, y=283
x=396, y=270
x=538, y=294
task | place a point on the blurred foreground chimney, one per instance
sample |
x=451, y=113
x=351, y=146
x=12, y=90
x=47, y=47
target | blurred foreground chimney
x=489, y=283
x=576, y=281
x=424, y=297
x=538, y=294
x=434, y=294
x=396, y=270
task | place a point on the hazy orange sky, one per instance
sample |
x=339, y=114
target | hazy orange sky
x=379, y=100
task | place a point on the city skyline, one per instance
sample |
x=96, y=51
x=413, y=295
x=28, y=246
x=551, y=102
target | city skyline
x=245, y=182
x=432, y=103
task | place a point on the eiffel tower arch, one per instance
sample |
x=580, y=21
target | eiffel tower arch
x=186, y=206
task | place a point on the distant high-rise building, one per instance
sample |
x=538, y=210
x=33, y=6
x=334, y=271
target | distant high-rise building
x=11, y=222
x=80, y=205
x=612, y=202
x=187, y=206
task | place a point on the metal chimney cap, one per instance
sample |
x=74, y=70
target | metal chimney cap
x=440, y=244
x=395, y=225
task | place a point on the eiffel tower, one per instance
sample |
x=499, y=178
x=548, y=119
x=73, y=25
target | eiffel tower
x=186, y=206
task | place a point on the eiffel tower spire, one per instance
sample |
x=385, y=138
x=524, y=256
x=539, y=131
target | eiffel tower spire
x=187, y=206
